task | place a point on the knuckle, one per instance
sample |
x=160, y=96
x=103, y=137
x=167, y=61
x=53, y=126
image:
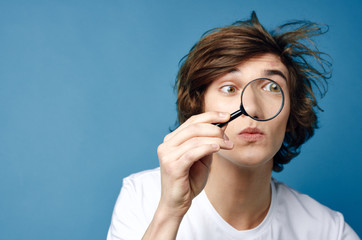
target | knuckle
x=196, y=141
x=188, y=157
x=160, y=150
x=164, y=161
x=192, y=119
x=165, y=155
x=192, y=127
x=167, y=137
x=195, y=118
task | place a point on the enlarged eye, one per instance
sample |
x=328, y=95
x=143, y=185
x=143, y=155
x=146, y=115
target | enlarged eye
x=228, y=89
x=272, y=87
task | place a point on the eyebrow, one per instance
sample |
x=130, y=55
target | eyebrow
x=266, y=73
x=272, y=72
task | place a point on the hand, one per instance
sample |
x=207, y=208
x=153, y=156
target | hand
x=185, y=157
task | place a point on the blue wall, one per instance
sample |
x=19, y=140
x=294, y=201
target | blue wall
x=86, y=97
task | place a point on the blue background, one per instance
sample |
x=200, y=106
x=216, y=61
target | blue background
x=86, y=97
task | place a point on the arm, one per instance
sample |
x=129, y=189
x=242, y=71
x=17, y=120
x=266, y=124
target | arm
x=345, y=231
x=185, y=158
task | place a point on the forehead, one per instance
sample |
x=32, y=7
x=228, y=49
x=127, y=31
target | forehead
x=261, y=66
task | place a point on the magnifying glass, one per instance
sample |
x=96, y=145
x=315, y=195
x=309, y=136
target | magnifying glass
x=261, y=99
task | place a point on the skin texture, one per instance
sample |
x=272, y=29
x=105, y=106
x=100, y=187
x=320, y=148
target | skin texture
x=248, y=166
x=234, y=168
x=245, y=152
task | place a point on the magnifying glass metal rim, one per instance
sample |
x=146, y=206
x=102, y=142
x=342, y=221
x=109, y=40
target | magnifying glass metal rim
x=242, y=111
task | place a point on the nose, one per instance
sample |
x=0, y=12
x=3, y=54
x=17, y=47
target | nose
x=251, y=103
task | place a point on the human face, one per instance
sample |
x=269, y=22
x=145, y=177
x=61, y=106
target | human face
x=255, y=143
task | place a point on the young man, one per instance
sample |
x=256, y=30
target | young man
x=215, y=183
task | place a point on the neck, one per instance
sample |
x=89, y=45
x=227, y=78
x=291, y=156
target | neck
x=241, y=195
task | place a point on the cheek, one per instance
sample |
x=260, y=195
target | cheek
x=217, y=102
x=280, y=123
x=207, y=104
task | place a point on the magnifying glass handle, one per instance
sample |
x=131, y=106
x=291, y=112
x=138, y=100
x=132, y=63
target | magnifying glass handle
x=232, y=117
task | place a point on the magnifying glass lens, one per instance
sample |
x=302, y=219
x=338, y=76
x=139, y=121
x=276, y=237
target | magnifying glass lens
x=262, y=99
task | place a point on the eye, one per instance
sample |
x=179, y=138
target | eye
x=228, y=89
x=272, y=87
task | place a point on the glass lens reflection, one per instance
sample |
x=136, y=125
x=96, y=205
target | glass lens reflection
x=262, y=99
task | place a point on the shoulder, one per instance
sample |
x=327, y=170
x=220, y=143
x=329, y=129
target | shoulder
x=145, y=186
x=135, y=205
x=306, y=216
x=144, y=179
x=299, y=202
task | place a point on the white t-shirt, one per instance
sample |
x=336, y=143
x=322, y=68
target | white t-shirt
x=291, y=215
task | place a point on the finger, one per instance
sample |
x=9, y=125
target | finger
x=196, y=130
x=198, y=153
x=176, y=153
x=208, y=117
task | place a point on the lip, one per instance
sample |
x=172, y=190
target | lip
x=251, y=134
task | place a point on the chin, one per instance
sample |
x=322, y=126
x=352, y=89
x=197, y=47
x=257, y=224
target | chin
x=244, y=159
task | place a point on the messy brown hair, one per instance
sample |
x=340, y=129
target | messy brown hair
x=221, y=49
